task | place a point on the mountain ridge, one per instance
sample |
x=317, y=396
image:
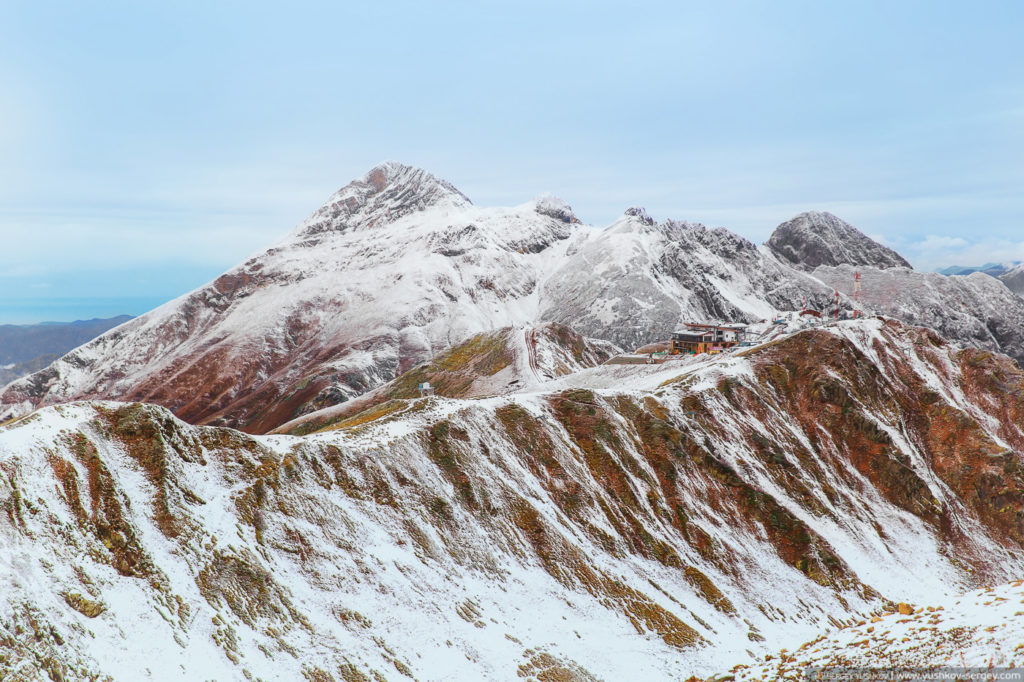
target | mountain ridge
x=665, y=519
x=398, y=266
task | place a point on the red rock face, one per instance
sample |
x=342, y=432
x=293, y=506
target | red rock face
x=378, y=178
x=231, y=283
x=209, y=389
x=830, y=388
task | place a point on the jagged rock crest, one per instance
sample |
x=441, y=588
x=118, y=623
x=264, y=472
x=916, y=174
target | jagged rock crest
x=387, y=192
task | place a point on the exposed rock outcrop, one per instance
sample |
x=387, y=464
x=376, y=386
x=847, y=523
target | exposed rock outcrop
x=819, y=238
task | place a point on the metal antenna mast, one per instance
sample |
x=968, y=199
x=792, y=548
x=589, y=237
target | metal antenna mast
x=856, y=295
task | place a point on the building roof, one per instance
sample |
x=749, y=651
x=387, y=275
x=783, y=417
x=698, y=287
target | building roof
x=731, y=327
x=693, y=336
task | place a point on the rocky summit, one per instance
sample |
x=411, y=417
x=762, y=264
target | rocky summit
x=818, y=238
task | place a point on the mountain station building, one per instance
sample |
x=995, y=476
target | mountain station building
x=696, y=338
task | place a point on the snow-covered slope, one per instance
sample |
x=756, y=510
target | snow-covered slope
x=972, y=633
x=818, y=238
x=1014, y=279
x=616, y=522
x=399, y=266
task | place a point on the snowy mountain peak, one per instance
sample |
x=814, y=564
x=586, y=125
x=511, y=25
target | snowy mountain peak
x=555, y=207
x=387, y=192
x=639, y=213
x=819, y=238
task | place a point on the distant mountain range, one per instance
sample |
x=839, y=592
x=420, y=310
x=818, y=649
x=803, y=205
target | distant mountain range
x=993, y=269
x=1011, y=274
x=29, y=348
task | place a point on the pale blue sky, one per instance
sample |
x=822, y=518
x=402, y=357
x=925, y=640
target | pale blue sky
x=145, y=147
